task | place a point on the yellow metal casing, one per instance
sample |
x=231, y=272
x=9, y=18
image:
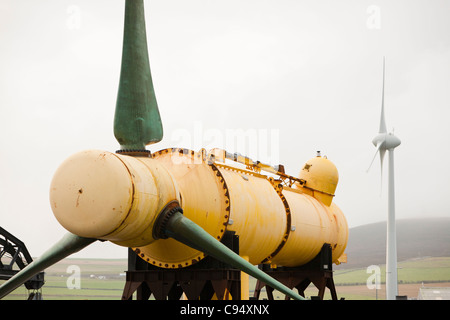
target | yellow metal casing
x=257, y=213
x=276, y=224
x=204, y=200
x=119, y=198
x=339, y=223
x=321, y=177
x=312, y=225
x=102, y=195
x=280, y=225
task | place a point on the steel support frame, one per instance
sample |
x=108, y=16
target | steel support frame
x=204, y=280
x=197, y=284
x=318, y=272
x=16, y=249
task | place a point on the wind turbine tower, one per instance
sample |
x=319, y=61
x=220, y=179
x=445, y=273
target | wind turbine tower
x=388, y=141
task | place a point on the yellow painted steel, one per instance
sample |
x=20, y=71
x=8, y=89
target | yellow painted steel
x=257, y=214
x=275, y=224
x=245, y=284
x=312, y=225
x=281, y=220
x=288, y=227
x=321, y=178
x=102, y=195
x=204, y=200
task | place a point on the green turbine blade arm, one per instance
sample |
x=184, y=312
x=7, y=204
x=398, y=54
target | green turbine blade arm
x=68, y=245
x=137, y=121
x=189, y=233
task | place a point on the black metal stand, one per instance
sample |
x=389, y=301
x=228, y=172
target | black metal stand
x=16, y=249
x=318, y=271
x=204, y=280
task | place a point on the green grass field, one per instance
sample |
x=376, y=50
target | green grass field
x=412, y=274
x=412, y=271
x=99, y=280
x=104, y=280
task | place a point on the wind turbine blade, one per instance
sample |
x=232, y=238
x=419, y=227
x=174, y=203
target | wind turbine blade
x=184, y=230
x=374, y=156
x=137, y=120
x=382, y=119
x=382, y=153
x=69, y=244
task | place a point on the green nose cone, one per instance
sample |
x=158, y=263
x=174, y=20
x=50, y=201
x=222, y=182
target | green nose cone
x=137, y=122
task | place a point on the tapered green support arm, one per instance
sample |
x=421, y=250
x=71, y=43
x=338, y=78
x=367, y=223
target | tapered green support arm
x=137, y=121
x=68, y=245
x=184, y=230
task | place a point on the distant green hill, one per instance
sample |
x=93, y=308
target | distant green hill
x=416, y=238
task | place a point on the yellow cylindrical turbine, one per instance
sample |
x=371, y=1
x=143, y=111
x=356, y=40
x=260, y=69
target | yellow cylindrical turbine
x=275, y=224
x=102, y=195
x=107, y=196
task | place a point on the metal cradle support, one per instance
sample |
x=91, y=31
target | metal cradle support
x=318, y=272
x=205, y=280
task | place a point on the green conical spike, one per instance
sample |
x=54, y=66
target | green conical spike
x=137, y=122
x=187, y=232
x=68, y=245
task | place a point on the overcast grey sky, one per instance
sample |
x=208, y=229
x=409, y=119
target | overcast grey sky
x=299, y=75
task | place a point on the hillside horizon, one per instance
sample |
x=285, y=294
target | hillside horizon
x=416, y=238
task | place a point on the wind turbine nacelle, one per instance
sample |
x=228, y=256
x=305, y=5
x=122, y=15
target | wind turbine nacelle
x=123, y=199
x=387, y=140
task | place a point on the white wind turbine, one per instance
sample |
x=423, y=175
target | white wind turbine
x=388, y=141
